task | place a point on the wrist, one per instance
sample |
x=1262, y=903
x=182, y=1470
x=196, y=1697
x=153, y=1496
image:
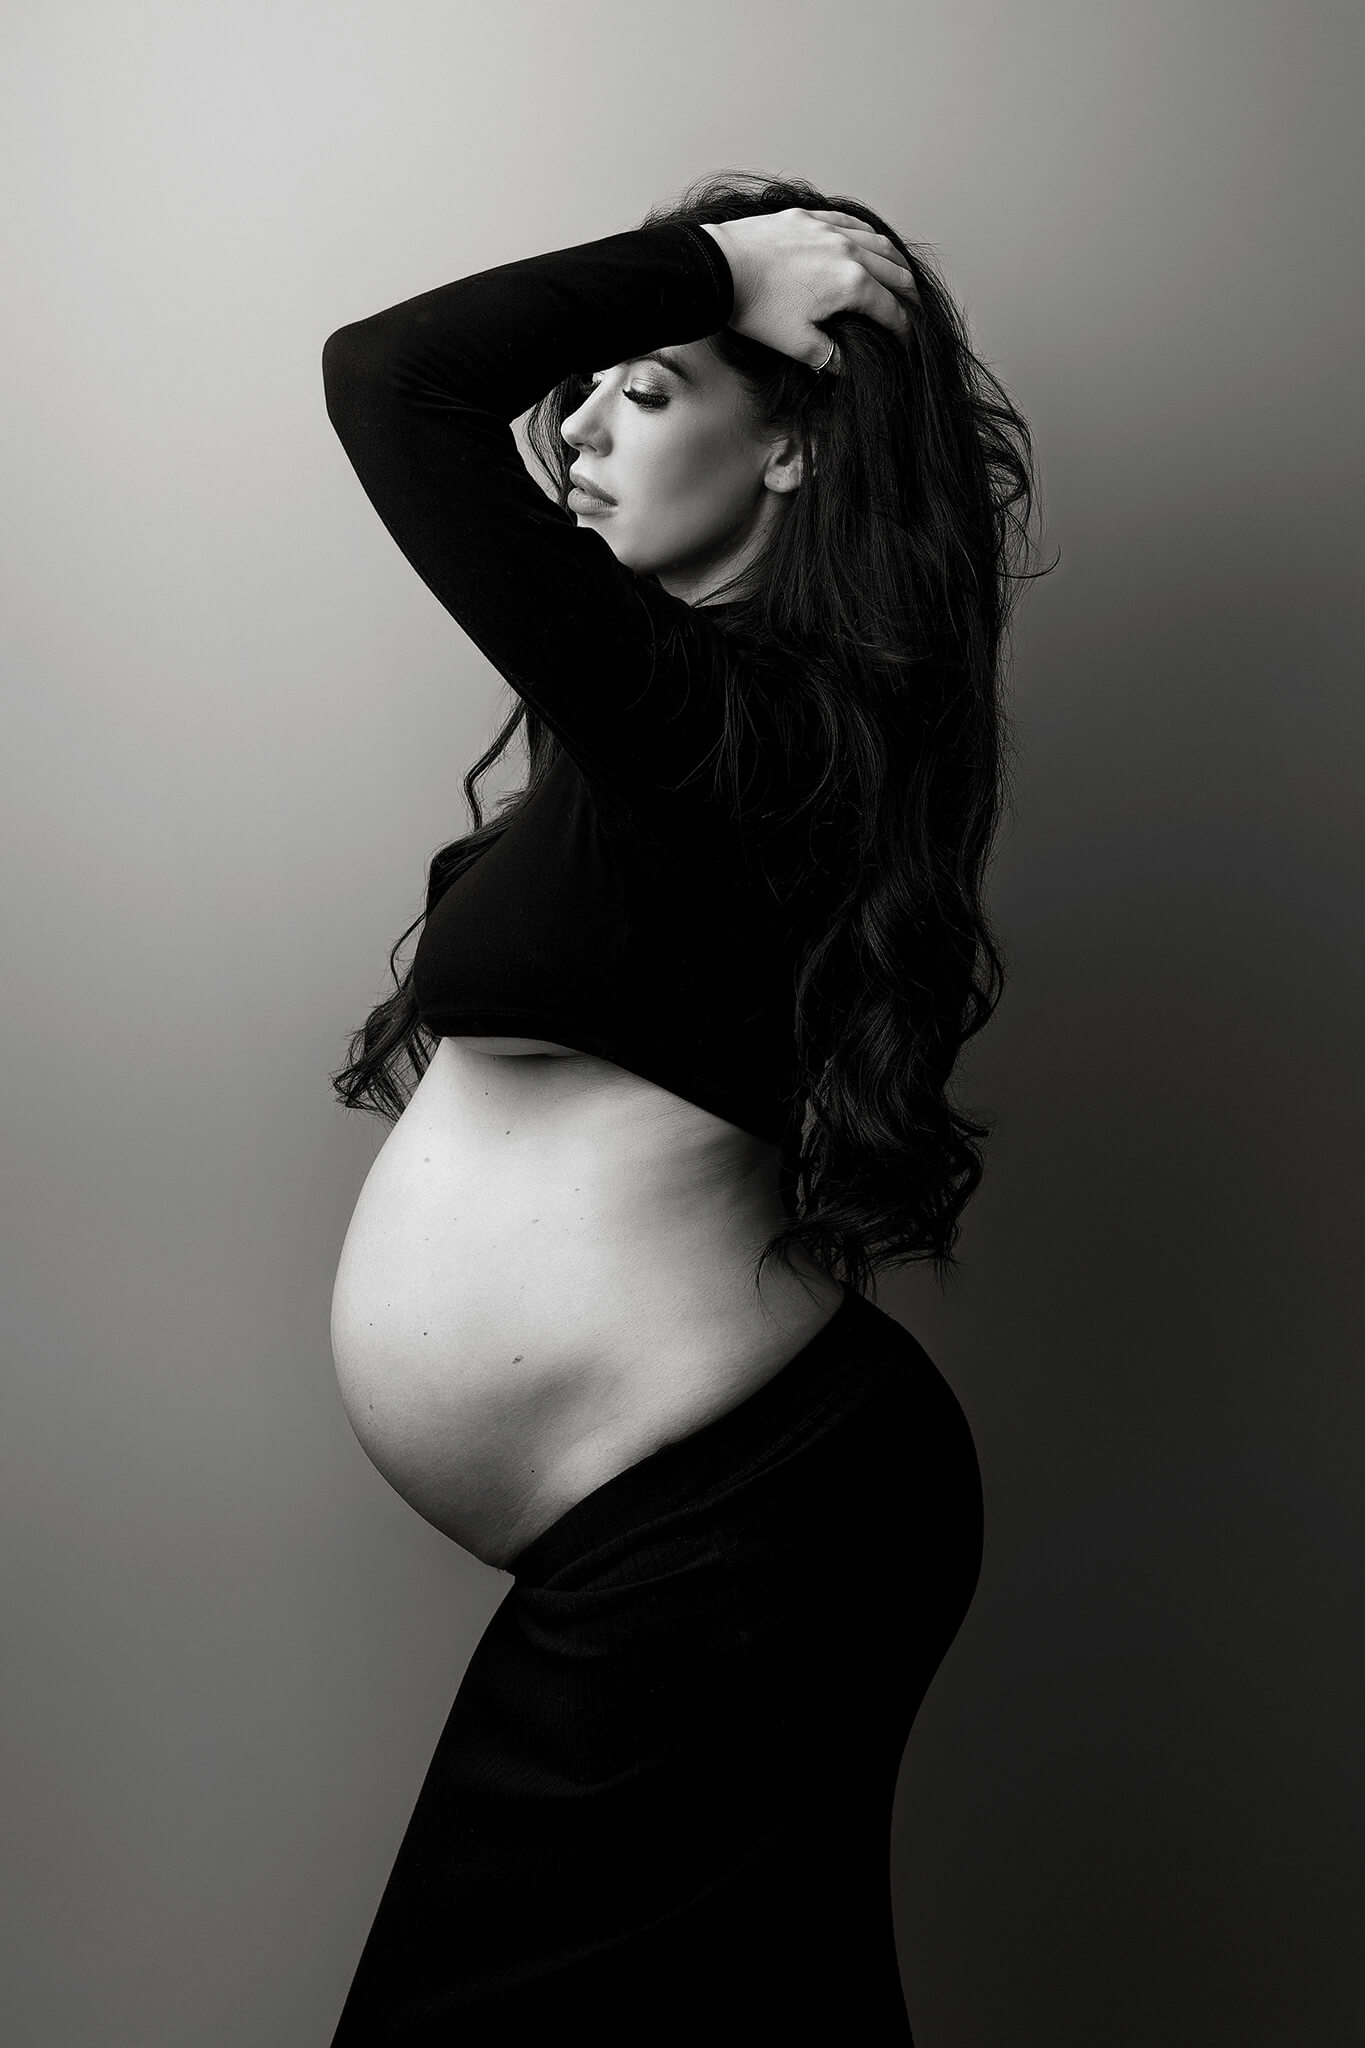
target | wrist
x=734, y=258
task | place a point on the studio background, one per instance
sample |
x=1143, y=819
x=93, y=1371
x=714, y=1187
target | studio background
x=235, y=728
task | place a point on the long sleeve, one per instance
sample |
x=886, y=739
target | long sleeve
x=422, y=397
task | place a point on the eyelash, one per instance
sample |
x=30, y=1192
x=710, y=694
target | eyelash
x=650, y=400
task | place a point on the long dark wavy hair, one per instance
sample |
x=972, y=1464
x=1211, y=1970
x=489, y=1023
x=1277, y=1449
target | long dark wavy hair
x=883, y=597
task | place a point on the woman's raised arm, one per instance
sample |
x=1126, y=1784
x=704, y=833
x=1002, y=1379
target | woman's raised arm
x=422, y=397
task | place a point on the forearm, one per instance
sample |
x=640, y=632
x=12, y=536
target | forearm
x=499, y=339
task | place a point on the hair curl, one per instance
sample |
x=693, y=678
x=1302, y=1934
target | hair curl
x=884, y=597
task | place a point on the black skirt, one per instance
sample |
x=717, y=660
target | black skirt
x=660, y=1808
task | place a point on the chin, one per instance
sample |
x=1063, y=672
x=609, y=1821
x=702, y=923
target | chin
x=623, y=555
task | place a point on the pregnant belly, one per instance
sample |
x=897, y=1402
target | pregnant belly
x=545, y=1277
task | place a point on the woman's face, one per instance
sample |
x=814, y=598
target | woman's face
x=694, y=485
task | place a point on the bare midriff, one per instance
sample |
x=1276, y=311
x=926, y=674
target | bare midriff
x=549, y=1274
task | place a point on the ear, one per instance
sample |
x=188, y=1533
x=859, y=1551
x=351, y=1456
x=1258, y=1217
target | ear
x=784, y=470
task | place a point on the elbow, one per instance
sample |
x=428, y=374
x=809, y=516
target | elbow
x=343, y=370
x=357, y=371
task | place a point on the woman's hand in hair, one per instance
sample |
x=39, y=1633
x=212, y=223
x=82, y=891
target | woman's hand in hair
x=801, y=266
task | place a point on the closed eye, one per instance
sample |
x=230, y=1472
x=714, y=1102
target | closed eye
x=650, y=400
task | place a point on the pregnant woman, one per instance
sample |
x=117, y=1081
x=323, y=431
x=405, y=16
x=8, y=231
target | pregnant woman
x=668, y=1078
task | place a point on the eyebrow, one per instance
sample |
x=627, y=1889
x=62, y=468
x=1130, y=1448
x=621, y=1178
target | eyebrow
x=666, y=361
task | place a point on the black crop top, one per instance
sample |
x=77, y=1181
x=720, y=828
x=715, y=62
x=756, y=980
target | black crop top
x=620, y=912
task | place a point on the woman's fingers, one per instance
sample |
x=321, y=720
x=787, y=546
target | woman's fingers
x=859, y=231
x=884, y=264
x=885, y=291
x=895, y=273
x=799, y=268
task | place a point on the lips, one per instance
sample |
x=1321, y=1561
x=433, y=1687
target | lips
x=582, y=484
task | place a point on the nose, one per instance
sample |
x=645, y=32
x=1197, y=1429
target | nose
x=578, y=427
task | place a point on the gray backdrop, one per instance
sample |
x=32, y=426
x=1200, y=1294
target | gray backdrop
x=235, y=726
